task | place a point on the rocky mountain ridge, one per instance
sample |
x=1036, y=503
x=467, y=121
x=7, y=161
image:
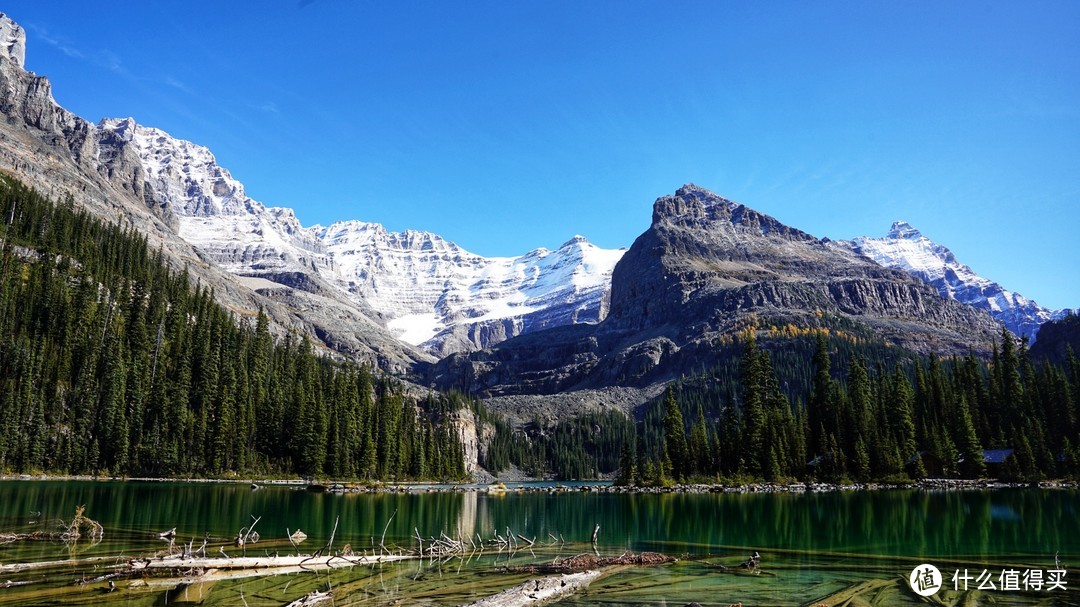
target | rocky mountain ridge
x=63, y=155
x=706, y=268
x=578, y=316
x=905, y=248
x=428, y=291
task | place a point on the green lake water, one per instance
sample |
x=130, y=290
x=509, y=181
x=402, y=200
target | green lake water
x=812, y=544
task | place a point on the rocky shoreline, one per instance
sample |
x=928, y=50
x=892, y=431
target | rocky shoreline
x=607, y=487
x=524, y=485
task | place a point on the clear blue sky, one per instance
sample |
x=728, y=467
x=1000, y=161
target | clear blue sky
x=506, y=126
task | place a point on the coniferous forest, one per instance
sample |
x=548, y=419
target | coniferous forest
x=113, y=363
x=821, y=404
x=880, y=416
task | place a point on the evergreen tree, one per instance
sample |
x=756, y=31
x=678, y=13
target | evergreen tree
x=971, y=450
x=674, y=436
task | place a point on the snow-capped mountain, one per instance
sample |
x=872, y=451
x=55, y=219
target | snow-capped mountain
x=907, y=249
x=215, y=214
x=441, y=296
x=429, y=291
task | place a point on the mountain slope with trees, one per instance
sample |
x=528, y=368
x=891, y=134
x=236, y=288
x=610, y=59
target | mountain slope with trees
x=115, y=364
x=835, y=411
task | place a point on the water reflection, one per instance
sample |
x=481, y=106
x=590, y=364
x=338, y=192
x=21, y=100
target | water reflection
x=910, y=523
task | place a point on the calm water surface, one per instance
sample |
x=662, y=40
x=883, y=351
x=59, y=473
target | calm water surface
x=812, y=545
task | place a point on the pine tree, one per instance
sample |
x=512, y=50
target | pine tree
x=674, y=435
x=754, y=452
x=699, y=445
x=820, y=408
x=971, y=451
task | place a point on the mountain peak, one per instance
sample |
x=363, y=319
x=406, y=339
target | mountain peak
x=577, y=240
x=905, y=248
x=706, y=197
x=690, y=201
x=903, y=229
x=124, y=127
x=12, y=41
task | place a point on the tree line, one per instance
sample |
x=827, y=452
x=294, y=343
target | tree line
x=585, y=446
x=883, y=417
x=114, y=363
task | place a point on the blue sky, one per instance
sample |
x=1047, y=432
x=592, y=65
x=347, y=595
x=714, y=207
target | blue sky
x=507, y=126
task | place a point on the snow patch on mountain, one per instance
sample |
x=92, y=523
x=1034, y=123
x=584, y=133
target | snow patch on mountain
x=429, y=291
x=905, y=248
x=429, y=286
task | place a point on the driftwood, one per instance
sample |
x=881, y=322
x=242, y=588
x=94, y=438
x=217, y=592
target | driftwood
x=540, y=590
x=260, y=562
x=19, y=567
x=82, y=524
x=587, y=562
x=69, y=532
x=312, y=599
x=750, y=564
x=845, y=596
x=7, y=538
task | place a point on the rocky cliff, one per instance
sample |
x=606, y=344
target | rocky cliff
x=62, y=155
x=425, y=290
x=905, y=248
x=706, y=267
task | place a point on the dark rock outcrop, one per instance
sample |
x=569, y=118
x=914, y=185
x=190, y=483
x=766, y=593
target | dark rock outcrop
x=706, y=267
x=1057, y=338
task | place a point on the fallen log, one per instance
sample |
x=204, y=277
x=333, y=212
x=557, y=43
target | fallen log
x=312, y=599
x=587, y=562
x=845, y=595
x=262, y=562
x=17, y=567
x=540, y=590
x=69, y=532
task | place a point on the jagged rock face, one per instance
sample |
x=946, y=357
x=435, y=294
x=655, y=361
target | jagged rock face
x=61, y=154
x=345, y=283
x=426, y=290
x=12, y=41
x=214, y=213
x=54, y=148
x=447, y=299
x=714, y=260
x=705, y=265
x=464, y=424
x=1057, y=339
x=905, y=248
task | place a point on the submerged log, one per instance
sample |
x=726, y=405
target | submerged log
x=540, y=590
x=18, y=567
x=587, y=562
x=262, y=562
x=69, y=532
x=312, y=599
x=846, y=595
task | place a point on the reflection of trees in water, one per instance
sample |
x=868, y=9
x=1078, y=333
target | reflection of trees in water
x=466, y=520
x=903, y=522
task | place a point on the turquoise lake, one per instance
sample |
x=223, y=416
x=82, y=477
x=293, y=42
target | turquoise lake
x=813, y=545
